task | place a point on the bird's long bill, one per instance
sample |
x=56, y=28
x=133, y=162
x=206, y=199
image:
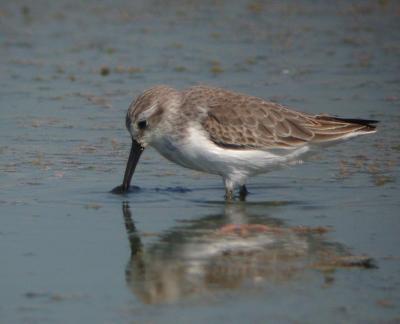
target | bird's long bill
x=134, y=155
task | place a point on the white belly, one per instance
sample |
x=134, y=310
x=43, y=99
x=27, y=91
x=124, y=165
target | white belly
x=197, y=152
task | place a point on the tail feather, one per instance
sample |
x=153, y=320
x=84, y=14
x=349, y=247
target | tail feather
x=369, y=123
x=331, y=128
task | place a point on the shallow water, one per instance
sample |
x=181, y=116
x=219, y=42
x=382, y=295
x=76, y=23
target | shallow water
x=72, y=252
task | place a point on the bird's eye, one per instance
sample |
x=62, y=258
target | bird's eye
x=142, y=124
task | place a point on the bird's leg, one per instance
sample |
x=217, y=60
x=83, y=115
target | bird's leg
x=228, y=189
x=243, y=192
x=228, y=194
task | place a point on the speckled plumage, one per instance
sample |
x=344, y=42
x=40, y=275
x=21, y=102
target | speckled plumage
x=244, y=122
x=228, y=133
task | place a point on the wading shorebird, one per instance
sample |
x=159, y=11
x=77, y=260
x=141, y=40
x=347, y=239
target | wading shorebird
x=227, y=133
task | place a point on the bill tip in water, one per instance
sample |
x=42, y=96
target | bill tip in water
x=121, y=189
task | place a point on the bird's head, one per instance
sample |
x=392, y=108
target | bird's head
x=143, y=121
x=145, y=114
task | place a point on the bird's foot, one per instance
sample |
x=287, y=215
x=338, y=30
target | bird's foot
x=229, y=196
x=243, y=193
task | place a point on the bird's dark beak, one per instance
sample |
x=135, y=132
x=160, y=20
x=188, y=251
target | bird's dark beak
x=134, y=155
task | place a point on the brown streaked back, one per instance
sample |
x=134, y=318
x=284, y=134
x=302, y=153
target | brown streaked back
x=238, y=121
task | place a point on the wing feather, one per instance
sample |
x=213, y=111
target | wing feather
x=238, y=121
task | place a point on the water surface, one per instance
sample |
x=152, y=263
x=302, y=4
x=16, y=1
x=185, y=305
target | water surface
x=71, y=252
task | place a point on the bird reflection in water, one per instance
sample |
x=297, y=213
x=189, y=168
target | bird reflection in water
x=235, y=250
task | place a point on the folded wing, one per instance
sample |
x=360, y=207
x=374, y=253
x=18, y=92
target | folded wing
x=241, y=122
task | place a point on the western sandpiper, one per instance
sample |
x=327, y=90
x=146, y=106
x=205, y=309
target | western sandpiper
x=227, y=133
